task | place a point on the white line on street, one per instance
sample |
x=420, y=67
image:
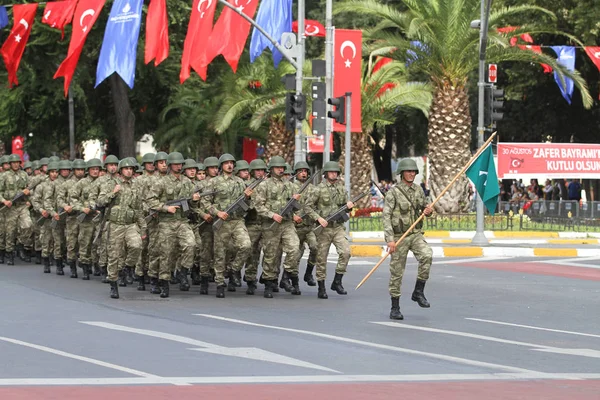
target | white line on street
x=473, y=259
x=375, y=345
x=534, y=327
x=251, y=353
x=573, y=262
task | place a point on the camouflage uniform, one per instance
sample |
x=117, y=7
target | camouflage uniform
x=254, y=226
x=17, y=219
x=45, y=236
x=101, y=244
x=306, y=235
x=63, y=199
x=3, y=213
x=142, y=184
x=36, y=182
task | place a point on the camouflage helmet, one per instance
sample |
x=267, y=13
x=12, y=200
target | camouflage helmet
x=94, y=162
x=148, y=158
x=54, y=158
x=190, y=163
x=126, y=162
x=14, y=158
x=226, y=157
x=44, y=161
x=3, y=159
x=276, y=161
x=79, y=164
x=257, y=164
x=175, y=158
x=200, y=167
x=111, y=160
x=331, y=166
x=53, y=166
x=28, y=164
x=64, y=164
x=211, y=162
x=301, y=165
x=407, y=164
x=36, y=165
x=139, y=170
x=160, y=156
x=241, y=165
x=288, y=169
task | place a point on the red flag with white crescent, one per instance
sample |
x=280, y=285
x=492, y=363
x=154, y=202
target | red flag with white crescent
x=57, y=14
x=157, y=33
x=347, y=69
x=311, y=28
x=196, y=39
x=86, y=14
x=14, y=46
x=594, y=53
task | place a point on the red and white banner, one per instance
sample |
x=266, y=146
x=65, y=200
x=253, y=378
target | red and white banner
x=316, y=144
x=551, y=160
x=347, y=71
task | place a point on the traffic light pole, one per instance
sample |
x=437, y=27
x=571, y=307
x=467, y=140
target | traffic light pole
x=328, y=74
x=348, y=146
x=299, y=153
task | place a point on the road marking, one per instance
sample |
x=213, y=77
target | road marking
x=375, y=345
x=573, y=262
x=80, y=358
x=537, y=347
x=473, y=259
x=534, y=327
x=251, y=353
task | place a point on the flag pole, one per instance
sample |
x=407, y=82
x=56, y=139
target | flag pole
x=458, y=175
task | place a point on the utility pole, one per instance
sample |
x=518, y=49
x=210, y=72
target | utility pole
x=328, y=73
x=299, y=154
x=71, y=125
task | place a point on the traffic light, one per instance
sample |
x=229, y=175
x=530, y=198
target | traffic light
x=339, y=114
x=495, y=100
x=295, y=109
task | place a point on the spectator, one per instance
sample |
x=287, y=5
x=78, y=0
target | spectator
x=574, y=190
x=548, y=189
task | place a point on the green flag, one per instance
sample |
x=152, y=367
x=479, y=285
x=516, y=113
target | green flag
x=483, y=174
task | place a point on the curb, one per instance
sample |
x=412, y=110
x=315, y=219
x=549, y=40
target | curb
x=501, y=236
x=379, y=251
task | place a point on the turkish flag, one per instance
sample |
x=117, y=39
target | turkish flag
x=196, y=39
x=228, y=37
x=594, y=53
x=537, y=49
x=86, y=14
x=58, y=14
x=14, y=46
x=157, y=32
x=347, y=69
x=311, y=28
x=17, y=146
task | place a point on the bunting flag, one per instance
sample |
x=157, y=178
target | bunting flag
x=86, y=14
x=157, y=32
x=513, y=40
x=196, y=39
x=228, y=37
x=593, y=53
x=119, y=47
x=58, y=14
x=275, y=16
x=14, y=46
x=566, y=58
x=311, y=28
x=347, y=70
x=537, y=49
x=3, y=17
x=482, y=172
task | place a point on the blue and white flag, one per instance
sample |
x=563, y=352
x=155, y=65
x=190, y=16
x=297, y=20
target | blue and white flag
x=275, y=17
x=566, y=58
x=3, y=17
x=119, y=47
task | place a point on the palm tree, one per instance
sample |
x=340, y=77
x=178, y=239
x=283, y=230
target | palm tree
x=445, y=49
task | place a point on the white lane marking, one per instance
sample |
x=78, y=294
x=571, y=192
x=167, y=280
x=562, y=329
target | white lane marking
x=293, y=379
x=534, y=327
x=375, y=345
x=473, y=259
x=251, y=353
x=533, y=346
x=80, y=358
x=572, y=262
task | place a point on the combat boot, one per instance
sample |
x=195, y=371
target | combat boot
x=251, y=287
x=59, y=267
x=418, y=294
x=261, y=279
x=221, y=292
x=121, y=279
x=10, y=258
x=322, y=294
x=114, y=290
x=154, y=286
x=395, y=312
x=27, y=257
x=195, y=275
x=269, y=289
x=164, y=288
x=308, y=278
x=337, y=284
x=86, y=271
x=38, y=257
x=104, y=275
x=204, y=284
x=21, y=252
x=2, y=256
x=237, y=278
x=295, y=286
x=141, y=283
x=184, y=285
x=46, y=262
x=97, y=271
x=129, y=275
x=285, y=282
x=73, y=266
x=231, y=285
x=174, y=280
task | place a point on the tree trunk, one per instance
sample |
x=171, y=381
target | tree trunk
x=449, y=142
x=280, y=141
x=361, y=163
x=125, y=118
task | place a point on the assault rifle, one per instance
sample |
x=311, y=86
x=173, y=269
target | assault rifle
x=293, y=204
x=381, y=190
x=61, y=212
x=19, y=195
x=341, y=214
x=183, y=203
x=93, y=210
x=239, y=203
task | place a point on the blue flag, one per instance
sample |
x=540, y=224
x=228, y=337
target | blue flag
x=275, y=17
x=3, y=17
x=119, y=47
x=483, y=174
x=566, y=58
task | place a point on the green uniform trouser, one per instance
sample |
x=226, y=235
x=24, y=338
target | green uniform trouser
x=84, y=241
x=175, y=238
x=306, y=235
x=46, y=238
x=416, y=243
x=18, y=221
x=334, y=234
x=232, y=235
x=281, y=238
x=58, y=233
x=37, y=240
x=153, y=249
x=255, y=235
x=103, y=246
x=3, y=228
x=124, y=247
x=207, y=250
x=72, y=235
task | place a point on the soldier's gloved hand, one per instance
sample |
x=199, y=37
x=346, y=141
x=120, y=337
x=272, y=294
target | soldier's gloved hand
x=297, y=196
x=7, y=203
x=277, y=218
x=391, y=247
x=172, y=209
x=322, y=222
x=223, y=215
x=26, y=192
x=248, y=192
x=350, y=205
x=117, y=188
x=428, y=210
x=44, y=213
x=68, y=209
x=208, y=218
x=297, y=219
x=196, y=196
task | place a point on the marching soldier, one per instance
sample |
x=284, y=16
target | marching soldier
x=206, y=233
x=403, y=206
x=160, y=171
x=45, y=191
x=55, y=209
x=40, y=175
x=143, y=183
x=304, y=228
x=198, y=182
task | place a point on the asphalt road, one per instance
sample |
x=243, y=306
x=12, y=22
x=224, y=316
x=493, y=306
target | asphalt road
x=498, y=328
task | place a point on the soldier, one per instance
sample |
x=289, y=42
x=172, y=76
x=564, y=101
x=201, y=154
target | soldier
x=42, y=191
x=143, y=183
x=28, y=168
x=305, y=228
x=174, y=233
x=57, y=213
x=242, y=170
x=190, y=168
x=403, y=206
x=271, y=196
x=325, y=199
x=233, y=233
x=39, y=176
x=206, y=233
x=14, y=181
x=199, y=184
x=258, y=169
x=126, y=224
